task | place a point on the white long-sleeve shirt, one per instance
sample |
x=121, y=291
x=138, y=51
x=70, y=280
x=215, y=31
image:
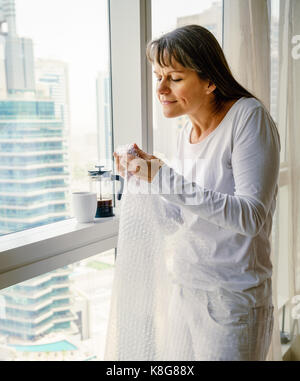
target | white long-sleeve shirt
x=230, y=188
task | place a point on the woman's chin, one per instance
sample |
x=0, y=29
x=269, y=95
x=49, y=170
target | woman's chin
x=169, y=114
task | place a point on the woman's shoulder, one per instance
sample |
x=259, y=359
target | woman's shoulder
x=248, y=108
x=253, y=119
x=248, y=105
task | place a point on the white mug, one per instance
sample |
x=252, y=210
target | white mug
x=84, y=206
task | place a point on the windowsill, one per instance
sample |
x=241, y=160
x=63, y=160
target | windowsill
x=285, y=348
x=45, y=232
x=31, y=252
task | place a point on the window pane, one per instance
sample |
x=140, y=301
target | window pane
x=54, y=106
x=61, y=315
x=207, y=13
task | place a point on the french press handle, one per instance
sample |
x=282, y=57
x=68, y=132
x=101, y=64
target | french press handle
x=119, y=178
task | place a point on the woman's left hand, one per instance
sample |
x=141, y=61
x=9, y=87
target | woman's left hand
x=143, y=166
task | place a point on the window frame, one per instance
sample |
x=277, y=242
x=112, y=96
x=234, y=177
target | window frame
x=32, y=252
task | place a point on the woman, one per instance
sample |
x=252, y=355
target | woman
x=228, y=158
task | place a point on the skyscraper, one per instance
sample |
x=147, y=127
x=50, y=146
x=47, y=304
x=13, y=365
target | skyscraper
x=33, y=176
x=38, y=307
x=19, y=61
x=52, y=82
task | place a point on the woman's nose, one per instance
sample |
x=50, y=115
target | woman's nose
x=162, y=87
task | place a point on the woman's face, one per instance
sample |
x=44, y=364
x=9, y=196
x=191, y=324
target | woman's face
x=181, y=91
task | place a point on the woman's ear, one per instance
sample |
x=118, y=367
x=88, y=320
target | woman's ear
x=210, y=87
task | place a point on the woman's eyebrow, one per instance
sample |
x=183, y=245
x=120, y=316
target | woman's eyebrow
x=172, y=71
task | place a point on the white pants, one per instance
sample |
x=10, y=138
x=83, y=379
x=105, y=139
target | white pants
x=218, y=325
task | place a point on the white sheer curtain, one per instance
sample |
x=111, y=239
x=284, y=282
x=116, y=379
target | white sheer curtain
x=247, y=45
x=247, y=49
x=289, y=121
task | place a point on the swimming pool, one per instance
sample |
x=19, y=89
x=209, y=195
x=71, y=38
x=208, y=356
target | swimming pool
x=57, y=346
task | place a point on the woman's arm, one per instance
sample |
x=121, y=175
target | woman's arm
x=255, y=165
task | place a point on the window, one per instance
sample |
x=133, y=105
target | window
x=55, y=121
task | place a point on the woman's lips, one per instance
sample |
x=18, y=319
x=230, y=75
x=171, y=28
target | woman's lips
x=167, y=102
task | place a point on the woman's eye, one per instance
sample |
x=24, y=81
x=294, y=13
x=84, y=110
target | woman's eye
x=173, y=80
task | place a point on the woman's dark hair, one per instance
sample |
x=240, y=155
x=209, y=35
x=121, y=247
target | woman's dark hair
x=196, y=48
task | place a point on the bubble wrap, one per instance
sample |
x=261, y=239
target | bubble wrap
x=153, y=317
x=142, y=281
x=126, y=148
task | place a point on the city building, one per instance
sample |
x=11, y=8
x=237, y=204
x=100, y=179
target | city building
x=33, y=165
x=19, y=58
x=38, y=307
x=52, y=82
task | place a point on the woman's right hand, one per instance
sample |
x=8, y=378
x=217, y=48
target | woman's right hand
x=141, y=165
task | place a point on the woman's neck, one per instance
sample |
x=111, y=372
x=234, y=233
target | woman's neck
x=206, y=121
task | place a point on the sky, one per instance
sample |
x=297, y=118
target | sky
x=76, y=32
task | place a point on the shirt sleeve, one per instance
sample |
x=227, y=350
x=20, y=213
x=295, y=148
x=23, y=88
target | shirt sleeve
x=255, y=164
x=172, y=211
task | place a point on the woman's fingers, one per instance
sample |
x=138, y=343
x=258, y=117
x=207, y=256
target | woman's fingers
x=144, y=166
x=123, y=163
x=134, y=164
x=117, y=162
x=142, y=154
x=120, y=168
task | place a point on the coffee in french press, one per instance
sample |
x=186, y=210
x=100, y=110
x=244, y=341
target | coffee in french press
x=102, y=182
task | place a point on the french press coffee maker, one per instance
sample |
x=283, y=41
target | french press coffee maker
x=101, y=183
